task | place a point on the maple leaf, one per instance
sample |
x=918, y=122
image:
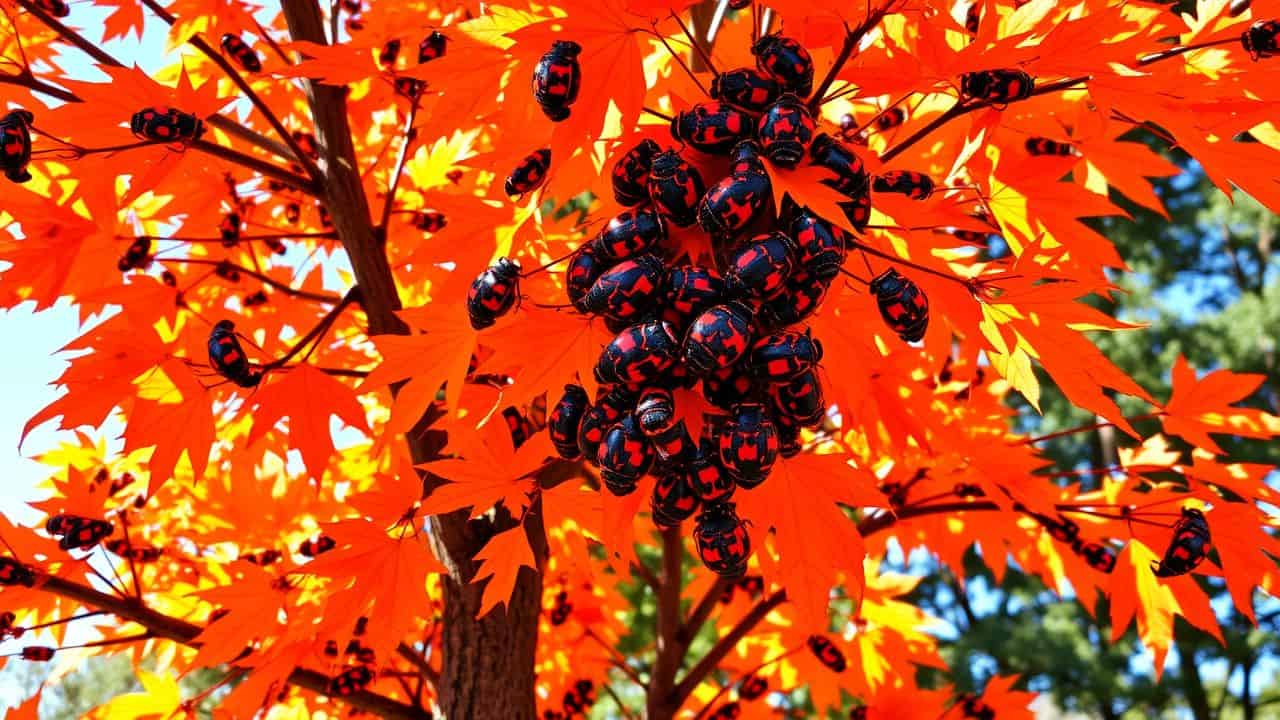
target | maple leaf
x=488, y=469
x=544, y=351
x=1200, y=407
x=307, y=396
x=179, y=421
x=500, y=561
x=160, y=698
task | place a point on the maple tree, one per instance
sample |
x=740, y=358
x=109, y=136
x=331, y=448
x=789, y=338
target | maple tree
x=331, y=180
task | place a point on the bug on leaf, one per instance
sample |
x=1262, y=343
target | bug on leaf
x=557, y=79
x=1045, y=146
x=727, y=387
x=800, y=399
x=624, y=456
x=718, y=338
x=752, y=687
x=786, y=131
x=800, y=297
x=630, y=174
x=851, y=175
x=38, y=653
x=1098, y=556
x=597, y=418
x=229, y=229
x=786, y=61
x=431, y=221
x=228, y=358
x=675, y=187
x=432, y=46
x=585, y=267
x=746, y=88
x=530, y=174
x=244, y=55
x=138, y=255
x=493, y=293
x=166, y=124
x=639, y=354
x=998, y=87
x=827, y=653
x=903, y=305
x=1262, y=39
x=914, y=185
x=708, y=480
x=318, y=545
x=562, y=609
x=15, y=144
x=712, y=127
x=85, y=533
x=1188, y=547
x=722, y=540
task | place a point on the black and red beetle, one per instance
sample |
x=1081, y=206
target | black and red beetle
x=690, y=290
x=891, y=118
x=639, y=354
x=787, y=61
x=914, y=185
x=350, y=681
x=821, y=246
x=228, y=358
x=493, y=293
x=432, y=46
x=386, y=56
x=138, y=255
x=851, y=175
x=631, y=173
x=431, y=221
x=1098, y=556
x=624, y=456
x=733, y=202
x=800, y=297
x=607, y=409
x=673, y=500
x=718, y=338
x=748, y=444
x=786, y=131
x=827, y=653
x=85, y=533
x=557, y=78
x=655, y=411
x=783, y=355
x=753, y=687
x=229, y=229
x=563, y=422
x=727, y=387
x=410, y=87
x=37, y=653
x=563, y=608
x=585, y=267
x=675, y=187
x=318, y=545
x=244, y=55
x=709, y=481
x=15, y=144
x=761, y=268
x=1262, y=39
x=166, y=124
x=722, y=540
x=903, y=305
x=631, y=232
x=13, y=572
x=800, y=399
x=519, y=425
x=858, y=210
x=712, y=127
x=530, y=174
x=1189, y=546
x=627, y=291
x=747, y=88
x=997, y=87
x=1045, y=146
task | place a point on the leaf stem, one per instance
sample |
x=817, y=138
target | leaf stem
x=272, y=282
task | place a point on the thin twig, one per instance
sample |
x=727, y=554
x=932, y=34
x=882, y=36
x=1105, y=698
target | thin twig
x=1086, y=428
x=401, y=160
x=852, y=39
x=722, y=647
x=282, y=287
x=315, y=334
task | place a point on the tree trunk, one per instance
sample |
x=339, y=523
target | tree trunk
x=488, y=662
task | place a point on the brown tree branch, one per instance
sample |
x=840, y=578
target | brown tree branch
x=853, y=37
x=259, y=165
x=701, y=611
x=722, y=647
x=420, y=663
x=670, y=650
x=186, y=633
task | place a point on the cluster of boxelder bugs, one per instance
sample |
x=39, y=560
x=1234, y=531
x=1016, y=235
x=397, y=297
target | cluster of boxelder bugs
x=732, y=329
